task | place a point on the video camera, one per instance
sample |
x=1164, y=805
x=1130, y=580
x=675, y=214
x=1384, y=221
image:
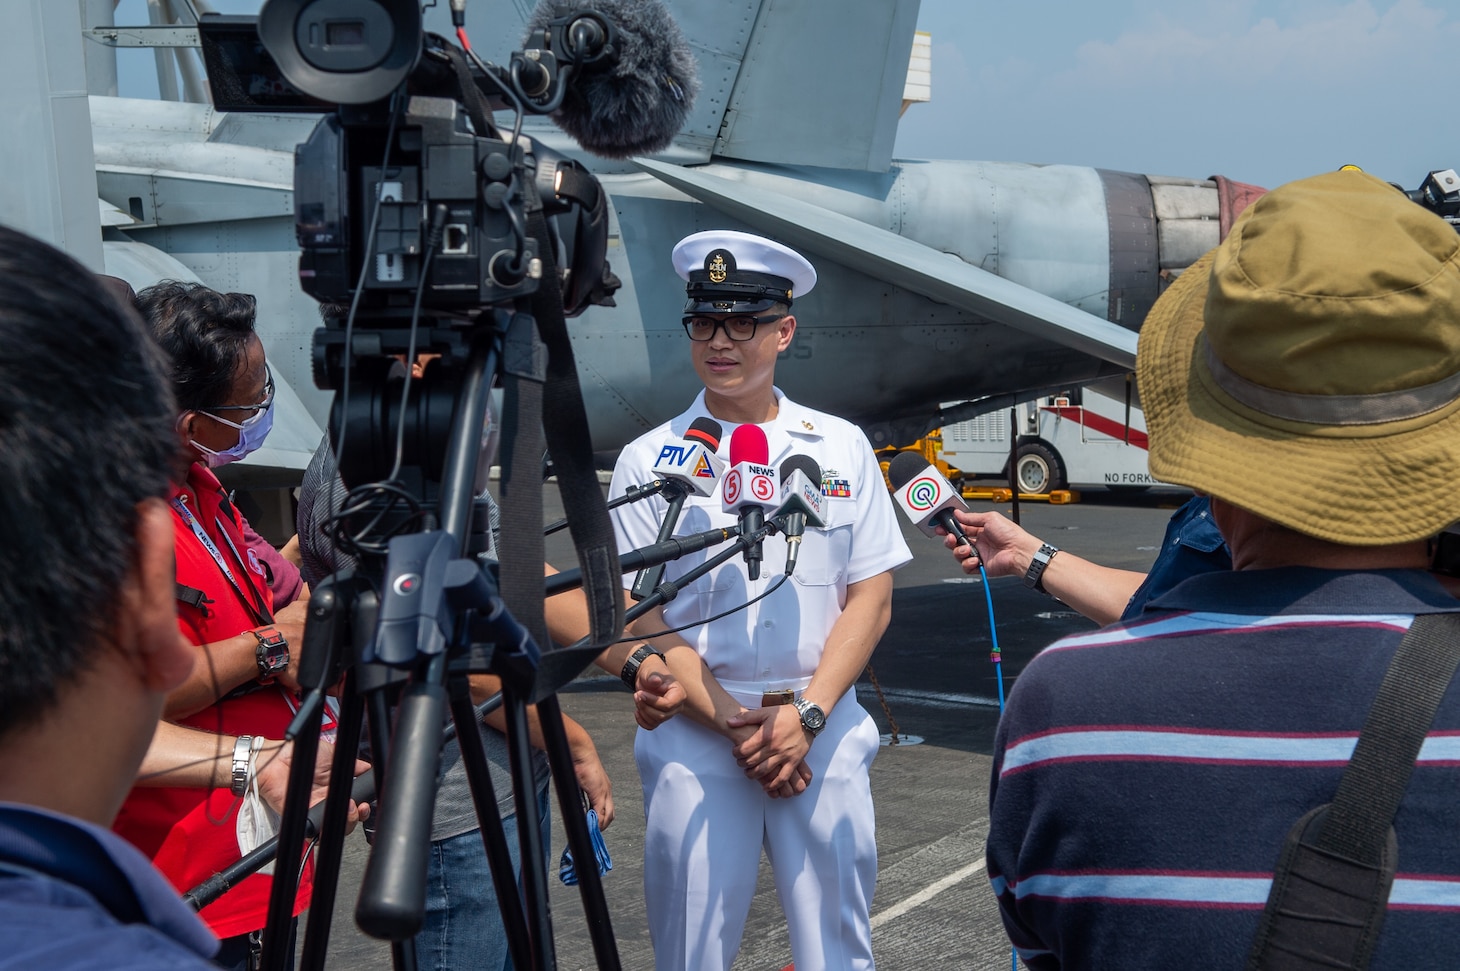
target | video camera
x=1439, y=193
x=425, y=227
x=406, y=185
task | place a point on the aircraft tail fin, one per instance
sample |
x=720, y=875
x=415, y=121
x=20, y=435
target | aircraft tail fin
x=816, y=82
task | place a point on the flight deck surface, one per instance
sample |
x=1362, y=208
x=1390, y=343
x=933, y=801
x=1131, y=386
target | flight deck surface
x=933, y=900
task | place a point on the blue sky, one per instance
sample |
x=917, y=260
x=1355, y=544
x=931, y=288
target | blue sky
x=1260, y=92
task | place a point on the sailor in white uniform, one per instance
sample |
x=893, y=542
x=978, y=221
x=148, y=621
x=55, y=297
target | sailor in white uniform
x=772, y=749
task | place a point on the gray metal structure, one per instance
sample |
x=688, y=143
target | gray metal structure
x=940, y=280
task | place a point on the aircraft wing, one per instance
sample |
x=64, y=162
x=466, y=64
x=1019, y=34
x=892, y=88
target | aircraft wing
x=904, y=263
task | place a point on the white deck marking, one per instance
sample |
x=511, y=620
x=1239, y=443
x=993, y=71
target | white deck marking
x=927, y=893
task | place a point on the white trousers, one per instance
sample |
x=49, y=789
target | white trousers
x=707, y=823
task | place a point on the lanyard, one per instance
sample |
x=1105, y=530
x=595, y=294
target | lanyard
x=181, y=506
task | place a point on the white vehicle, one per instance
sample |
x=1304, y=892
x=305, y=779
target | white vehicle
x=1082, y=439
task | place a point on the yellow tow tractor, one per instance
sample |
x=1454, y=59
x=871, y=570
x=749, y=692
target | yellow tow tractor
x=930, y=447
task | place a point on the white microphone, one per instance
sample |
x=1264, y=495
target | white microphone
x=750, y=489
x=692, y=460
x=801, y=503
x=925, y=496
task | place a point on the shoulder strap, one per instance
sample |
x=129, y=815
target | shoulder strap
x=543, y=402
x=191, y=596
x=1331, y=886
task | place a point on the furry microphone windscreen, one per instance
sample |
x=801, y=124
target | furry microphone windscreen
x=636, y=102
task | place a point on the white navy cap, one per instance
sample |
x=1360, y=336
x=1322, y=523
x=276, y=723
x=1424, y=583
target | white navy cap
x=733, y=272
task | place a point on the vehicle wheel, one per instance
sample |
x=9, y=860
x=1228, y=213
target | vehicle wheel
x=1038, y=469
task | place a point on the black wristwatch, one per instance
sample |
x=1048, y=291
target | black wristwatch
x=813, y=719
x=272, y=653
x=1034, y=576
x=630, y=674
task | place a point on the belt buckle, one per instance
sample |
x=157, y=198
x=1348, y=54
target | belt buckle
x=771, y=699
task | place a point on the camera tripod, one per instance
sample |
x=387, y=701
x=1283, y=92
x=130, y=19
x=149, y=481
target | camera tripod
x=402, y=641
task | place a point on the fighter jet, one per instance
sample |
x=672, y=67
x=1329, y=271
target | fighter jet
x=940, y=280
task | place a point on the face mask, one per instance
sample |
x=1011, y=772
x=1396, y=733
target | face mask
x=251, y=434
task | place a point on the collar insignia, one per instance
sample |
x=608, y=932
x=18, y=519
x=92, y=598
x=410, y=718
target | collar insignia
x=809, y=427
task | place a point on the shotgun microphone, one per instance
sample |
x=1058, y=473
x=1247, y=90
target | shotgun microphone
x=638, y=78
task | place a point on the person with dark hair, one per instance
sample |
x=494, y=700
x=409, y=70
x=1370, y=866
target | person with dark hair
x=280, y=566
x=88, y=638
x=772, y=750
x=243, y=684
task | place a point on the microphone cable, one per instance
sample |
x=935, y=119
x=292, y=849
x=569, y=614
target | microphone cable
x=997, y=658
x=708, y=620
x=995, y=654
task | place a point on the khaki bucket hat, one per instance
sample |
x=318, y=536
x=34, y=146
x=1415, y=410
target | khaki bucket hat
x=1308, y=368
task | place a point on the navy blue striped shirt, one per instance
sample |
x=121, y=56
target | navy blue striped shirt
x=1145, y=775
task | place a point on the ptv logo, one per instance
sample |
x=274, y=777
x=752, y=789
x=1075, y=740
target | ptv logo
x=688, y=460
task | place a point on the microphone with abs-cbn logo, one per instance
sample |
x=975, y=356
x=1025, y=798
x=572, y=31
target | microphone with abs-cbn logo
x=926, y=497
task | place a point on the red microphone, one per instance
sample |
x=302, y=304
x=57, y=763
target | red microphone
x=750, y=488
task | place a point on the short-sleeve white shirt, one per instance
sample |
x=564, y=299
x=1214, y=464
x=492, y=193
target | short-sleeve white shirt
x=781, y=637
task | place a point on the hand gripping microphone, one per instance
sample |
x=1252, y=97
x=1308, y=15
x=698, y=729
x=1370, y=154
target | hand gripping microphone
x=750, y=487
x=801, y=503
x=926, y=497
x=632, y=96
x=692, y=460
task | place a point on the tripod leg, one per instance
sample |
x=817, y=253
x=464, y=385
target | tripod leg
x=332, y=829
x=393, y=890
x=529, y=830
x=590, y=882
x=289, y=859
x=489, y=818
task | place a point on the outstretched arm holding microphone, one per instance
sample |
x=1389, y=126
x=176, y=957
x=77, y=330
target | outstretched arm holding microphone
x=1008, y=550
x=1191, y=546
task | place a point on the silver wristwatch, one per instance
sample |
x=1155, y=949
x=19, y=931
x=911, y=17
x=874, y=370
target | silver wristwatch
x=242, y=753
x=813, y=719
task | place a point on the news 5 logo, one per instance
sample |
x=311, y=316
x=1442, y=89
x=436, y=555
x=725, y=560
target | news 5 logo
x=732, y=487
x=763, y=487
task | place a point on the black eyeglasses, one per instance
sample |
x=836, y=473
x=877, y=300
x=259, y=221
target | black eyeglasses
x=268, y=397
x=738, y=327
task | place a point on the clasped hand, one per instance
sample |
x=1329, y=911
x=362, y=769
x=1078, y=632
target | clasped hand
x=771, y=746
